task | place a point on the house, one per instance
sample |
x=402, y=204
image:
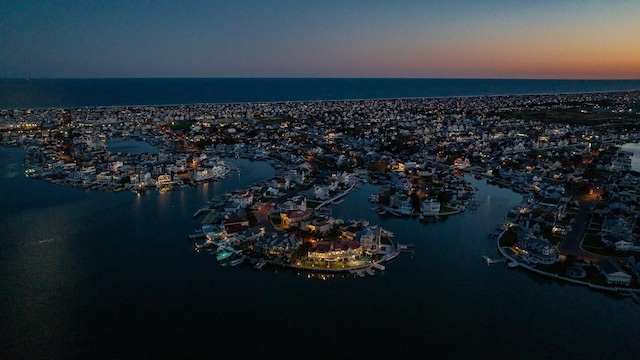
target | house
x=320, y=192
x=613, y=273
x=623, y=245
x=243, y=199
x=295, y=203
x=281, y=184
x=430, y=207
x=370, y=239
x=618, y=227
x=294, y=217
x=320, y=225
x=334, y=251
x=234, y=225
x=537, y=250
x=280, y=246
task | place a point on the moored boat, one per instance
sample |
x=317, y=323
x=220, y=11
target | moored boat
x=223, y=255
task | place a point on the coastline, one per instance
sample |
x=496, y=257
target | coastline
x=520, y=264
x=226, y=90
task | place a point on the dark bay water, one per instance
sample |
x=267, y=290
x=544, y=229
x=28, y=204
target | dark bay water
x=112, y=275
x=46, y=93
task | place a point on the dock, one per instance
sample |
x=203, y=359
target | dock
x=209, y=218
x=370, y=271
x=260, y=264
x=631, y=294
x=493, y=261
x=197, y=235
x=406, y=247
x=200, y=212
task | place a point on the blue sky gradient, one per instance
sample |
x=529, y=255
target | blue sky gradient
x=423, y=39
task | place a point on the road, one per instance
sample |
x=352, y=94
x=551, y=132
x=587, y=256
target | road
x=571, y=245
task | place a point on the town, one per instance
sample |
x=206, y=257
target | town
x=577, y=220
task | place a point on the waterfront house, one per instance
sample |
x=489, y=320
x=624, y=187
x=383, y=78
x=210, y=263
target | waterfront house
x=430, y=207
x=613, y=273
x=234, y=225
x=242, y=199
x=280, y=246
x=623, y=245
x=370, y=239
x=320, y=192
x=163, y=180
x=537, y=250
x=334, y=251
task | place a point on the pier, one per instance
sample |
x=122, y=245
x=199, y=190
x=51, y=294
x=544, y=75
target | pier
x=200, y=212
x=335, y=198
x=209, y=218
x=493, y=261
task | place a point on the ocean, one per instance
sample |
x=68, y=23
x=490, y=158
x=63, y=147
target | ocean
x=114, y=275
x=65, y=93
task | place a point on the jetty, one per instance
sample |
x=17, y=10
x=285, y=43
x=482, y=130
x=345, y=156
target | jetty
x=335, y=198
x=197, y=235
x=260, y=264
x=493, y=261
x=209, y=218
x=200, y=212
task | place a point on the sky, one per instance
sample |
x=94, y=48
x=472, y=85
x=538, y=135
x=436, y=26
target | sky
x=537, y=39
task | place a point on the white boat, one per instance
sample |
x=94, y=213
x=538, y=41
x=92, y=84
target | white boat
x=237, y=261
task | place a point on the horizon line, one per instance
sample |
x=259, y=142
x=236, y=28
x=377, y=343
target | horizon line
x=312, y=78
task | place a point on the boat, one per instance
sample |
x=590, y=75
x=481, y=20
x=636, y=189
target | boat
x=223, y=255
x=237, y=261
x=197, y=235
x=260, y=264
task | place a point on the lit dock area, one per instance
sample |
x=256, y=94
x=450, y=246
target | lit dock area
x=358, y=272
